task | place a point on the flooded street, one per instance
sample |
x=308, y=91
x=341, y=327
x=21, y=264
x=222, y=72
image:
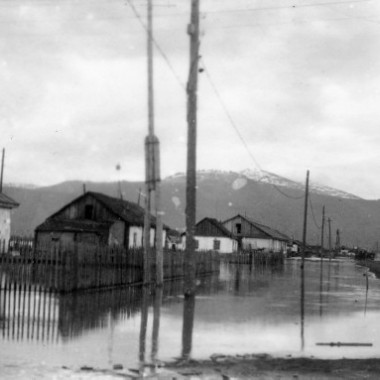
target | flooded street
x=243, y=310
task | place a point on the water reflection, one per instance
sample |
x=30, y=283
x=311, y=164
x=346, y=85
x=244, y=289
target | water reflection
x=245, y=309
x=188, y=325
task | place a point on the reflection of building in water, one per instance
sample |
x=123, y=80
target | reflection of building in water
x=31, y=313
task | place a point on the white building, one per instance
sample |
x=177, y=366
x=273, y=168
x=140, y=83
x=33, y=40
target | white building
x=210, y=235
x=252, y=235
x=6, y=206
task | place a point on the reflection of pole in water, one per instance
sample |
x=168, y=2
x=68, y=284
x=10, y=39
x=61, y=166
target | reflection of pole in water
x=321, y=269
x=143, y=328
x=302, y=308
x=237, y=278
x=156, y=322
x=321, y=290
x=188, y=324
x=366, y=292
x=111, y=325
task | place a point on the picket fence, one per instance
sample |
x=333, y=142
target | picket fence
x=82, y=266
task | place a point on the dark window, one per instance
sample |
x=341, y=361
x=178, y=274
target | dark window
x=135, y=239
x=88, y=212
x=196, y=243
x=216, y=245
x=238, y=228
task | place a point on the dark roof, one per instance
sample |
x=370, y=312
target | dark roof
x=73, y=225
x=7, y=202
x=218, y=228
x=130, y=212
x=268, y=231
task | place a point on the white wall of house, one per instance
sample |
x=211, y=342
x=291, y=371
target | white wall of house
x=266, y=244
x=207, y=243
x=136, y=236
x=5, y=228
x=116, y=234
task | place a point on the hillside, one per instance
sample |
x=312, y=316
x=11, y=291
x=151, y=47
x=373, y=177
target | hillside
x=271, y=200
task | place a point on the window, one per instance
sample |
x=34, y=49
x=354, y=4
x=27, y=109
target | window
x=135, y=239
x=88, y=212
x=238, y=228
x=216, y=245
x=196, y=241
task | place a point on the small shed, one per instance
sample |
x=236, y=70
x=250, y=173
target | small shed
x=212, y=235
x=252, y=235
x=99, y=219
x=6, y=206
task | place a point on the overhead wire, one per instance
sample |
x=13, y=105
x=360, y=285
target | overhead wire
x=158, y=47
x=313, y=214
x=236, y=129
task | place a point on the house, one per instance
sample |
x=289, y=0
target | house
x=253, y=235
x=6, y=206
x=211, y=235
x=95, y=218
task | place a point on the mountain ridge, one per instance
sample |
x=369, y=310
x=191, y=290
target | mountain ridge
x=220, y=195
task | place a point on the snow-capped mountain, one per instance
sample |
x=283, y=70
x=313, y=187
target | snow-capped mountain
x=274, y=179
x=265, y=177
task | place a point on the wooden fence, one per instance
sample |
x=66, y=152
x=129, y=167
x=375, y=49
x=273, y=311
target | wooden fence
x=81, y=266
x=254, y=258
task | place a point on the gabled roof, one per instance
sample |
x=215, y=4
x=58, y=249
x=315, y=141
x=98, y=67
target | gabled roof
x=218, y=229
x=7, y=202
x=268, y=231
x=130, y=212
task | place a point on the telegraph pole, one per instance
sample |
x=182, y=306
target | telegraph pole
x=305, y=219
x=192, y=87
x=323, y=230
x=152, y=166
x=337, y=241
x=329, y=221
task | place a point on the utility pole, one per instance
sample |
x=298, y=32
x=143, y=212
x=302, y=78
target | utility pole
x=305, y=219
x=303, y=261
x=329, y=221
x=2, y=171
x=152, y=166
x=192, y=86
x=337, y=241
x=323, y=230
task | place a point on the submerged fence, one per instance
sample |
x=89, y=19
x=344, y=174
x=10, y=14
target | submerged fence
x=254, y=258
x=81, y=266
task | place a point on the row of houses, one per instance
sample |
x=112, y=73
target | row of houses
x=236, y=234
x=99, y=219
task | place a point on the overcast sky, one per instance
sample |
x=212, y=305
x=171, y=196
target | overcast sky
x=298, y=80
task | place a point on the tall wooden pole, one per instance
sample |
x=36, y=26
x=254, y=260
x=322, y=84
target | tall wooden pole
x=305, y=219
x=329, y=221
x=323, y=230
x=153, y=181
x=2, y=171
x=192, y=87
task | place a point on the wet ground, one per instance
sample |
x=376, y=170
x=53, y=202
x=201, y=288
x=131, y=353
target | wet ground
x=242, y=311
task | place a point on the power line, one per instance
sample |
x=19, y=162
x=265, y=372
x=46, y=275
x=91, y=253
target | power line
x=313, y=215
x=233, y=124
x=158, y=47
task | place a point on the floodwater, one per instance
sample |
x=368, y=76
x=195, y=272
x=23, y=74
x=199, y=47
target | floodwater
x=241, y=310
